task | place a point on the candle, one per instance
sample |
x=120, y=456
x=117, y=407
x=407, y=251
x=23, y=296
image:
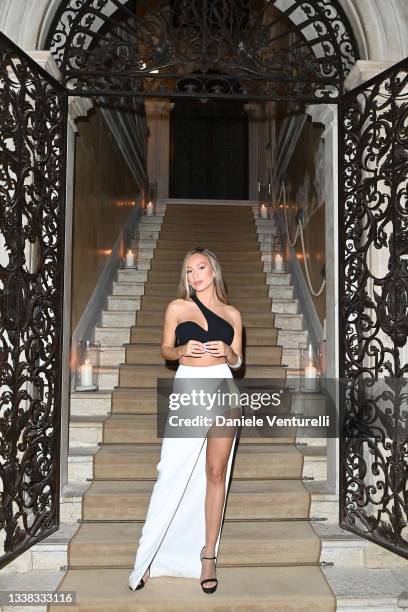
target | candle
x=269, y=188
x=130, y=258
x=278, y=263
x=86, y=374
x=264, y=212
x=149, y=209
x=310, y=377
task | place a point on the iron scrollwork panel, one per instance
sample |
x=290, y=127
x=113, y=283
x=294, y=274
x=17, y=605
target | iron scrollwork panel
x=33, y=116
x=373, y=225
x=257, y=49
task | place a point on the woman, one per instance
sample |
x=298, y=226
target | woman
x=186, y=508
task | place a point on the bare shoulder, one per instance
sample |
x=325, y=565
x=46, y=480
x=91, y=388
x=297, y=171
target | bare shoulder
x=234, y=313
x=175, y=306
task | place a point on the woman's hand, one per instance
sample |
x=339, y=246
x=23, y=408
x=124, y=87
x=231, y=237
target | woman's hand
x=193, y=348
x=218, y=348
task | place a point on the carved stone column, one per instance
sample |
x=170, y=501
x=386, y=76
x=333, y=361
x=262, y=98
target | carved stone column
x=327, y=115
x=158, y=144
x=364, y=70
x=253, y=113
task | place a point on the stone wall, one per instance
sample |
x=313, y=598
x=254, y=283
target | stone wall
x=305, y=190
x=104, y=191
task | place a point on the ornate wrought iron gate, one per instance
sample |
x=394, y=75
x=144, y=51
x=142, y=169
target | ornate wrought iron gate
x=373, y=223
x=33, y=116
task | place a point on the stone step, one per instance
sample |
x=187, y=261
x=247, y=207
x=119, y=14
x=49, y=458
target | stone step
x=151, y=354
x=291, y=357
x=170, y=290
x=40, y=561
x=292, y=338
x=289, y=321
x=142, y=401
x=112, y=461
x=252, y=461
x=134, y=289
x=86, y=431
x=208, y=218
x=231, y=278
x=282, y=305
x=90, y=403
x=123, y=303
x=243, y=544
x=146, y=375
x=136, y=401
x=278, y=278
x=324, y=504
x=182, y=246
x=254, y=336
x=256, y=499
x=135, y=276
x=143, y=244
x=112, y=336
x=152, y=220
x=220, y=230
x=142, y=429
x=112, y=355
x=117, y=318
x=285, y=292
x=108, y=377
x=250, y=319
x=254, y=589
x=81, y=463
x=227, y=259
x=229, y=266
x=172, y=252
x=244, y=304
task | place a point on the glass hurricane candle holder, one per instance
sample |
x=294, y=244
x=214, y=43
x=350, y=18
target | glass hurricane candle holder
x=129, y=260
x=310, y=368
x=87, y=371
x=278, y=260
x=150, y=209
x=263, y=211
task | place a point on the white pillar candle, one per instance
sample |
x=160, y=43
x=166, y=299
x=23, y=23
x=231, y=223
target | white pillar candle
x=278, y=263
x=149, y=209
x=130, y=258
x=264, y=212
x=310, y=378
x=86, y=374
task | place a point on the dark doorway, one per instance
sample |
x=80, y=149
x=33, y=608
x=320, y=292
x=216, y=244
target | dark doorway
x=209, y=150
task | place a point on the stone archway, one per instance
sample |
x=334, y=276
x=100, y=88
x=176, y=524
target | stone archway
x=278, y=49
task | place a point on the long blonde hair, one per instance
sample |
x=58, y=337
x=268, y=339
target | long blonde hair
x=185, y=290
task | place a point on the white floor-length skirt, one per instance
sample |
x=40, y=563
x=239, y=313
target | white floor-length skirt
x=174, y=530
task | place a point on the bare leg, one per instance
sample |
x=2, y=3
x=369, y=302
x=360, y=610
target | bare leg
x=218, y=450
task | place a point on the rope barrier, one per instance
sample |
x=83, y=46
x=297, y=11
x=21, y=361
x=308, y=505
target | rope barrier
x=299, y=230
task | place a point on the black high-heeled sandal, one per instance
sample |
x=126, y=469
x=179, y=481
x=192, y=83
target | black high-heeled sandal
x=141, y=582
x=202, y=582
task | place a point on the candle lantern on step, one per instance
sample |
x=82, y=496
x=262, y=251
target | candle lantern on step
x=151, y=205
x=310, y=367
x=263, y=211
x=278, y=262
x=87, y=371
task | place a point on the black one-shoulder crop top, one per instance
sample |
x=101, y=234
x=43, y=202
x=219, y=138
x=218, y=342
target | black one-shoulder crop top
x=218, y=328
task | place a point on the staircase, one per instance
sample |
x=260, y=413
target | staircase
x=279, y=523
x=269, y=553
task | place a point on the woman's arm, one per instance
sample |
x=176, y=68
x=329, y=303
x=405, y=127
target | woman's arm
x=193, y=348
x=169, y=351
x=234, y=351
